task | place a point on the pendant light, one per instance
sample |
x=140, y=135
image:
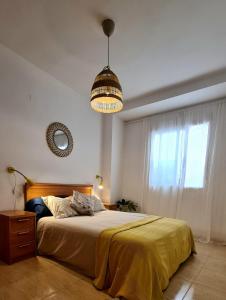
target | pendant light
x=106, y=93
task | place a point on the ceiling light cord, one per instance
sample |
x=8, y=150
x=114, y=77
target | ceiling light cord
x=108, y=52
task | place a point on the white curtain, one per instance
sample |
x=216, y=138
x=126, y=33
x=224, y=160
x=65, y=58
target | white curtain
x=184, y=171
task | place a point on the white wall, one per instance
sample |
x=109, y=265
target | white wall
x=112, y=137
x=133, y=162
x=106, y=157
x=117, y=144
x=30, y=100
x=116, y=158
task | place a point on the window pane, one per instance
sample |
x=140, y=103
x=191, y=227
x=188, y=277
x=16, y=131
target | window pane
x=170, y=149
x=196, y=155
x=165, y=158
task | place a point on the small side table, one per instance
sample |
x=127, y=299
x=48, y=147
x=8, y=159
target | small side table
x=110, y=206
x=17, y=235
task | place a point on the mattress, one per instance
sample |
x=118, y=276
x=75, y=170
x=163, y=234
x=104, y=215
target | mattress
x=73, y=240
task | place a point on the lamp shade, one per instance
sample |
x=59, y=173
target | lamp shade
x=106, y=93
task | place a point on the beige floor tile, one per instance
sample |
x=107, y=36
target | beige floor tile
x=216, y=264
x=37, y=286
x=69, y=296
x=22, y=269
x=88, y=295
x=202, y=248
x=83, y=290
x=59, y=296
x=176, y=289
x=190, y=269
x=9, y=292
x=200, y=292
x=70, y=270
x=3, y=280
x=197, y=259
x=61, y=279
x=71, y=284
x=28, y=273
x=218, y=252
x=212, y=279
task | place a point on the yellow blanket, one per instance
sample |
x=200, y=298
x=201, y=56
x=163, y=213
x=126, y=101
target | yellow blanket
x=136, y=260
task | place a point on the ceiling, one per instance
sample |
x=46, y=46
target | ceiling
x=156, y=44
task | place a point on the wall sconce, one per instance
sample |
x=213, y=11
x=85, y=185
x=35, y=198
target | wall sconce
x=12, y=170
x=100, y=178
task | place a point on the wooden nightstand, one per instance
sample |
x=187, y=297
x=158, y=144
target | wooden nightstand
x=110, y=206
x=17, y=235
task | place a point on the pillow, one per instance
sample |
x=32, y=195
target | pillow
x=37, y=206
x=82, y=204
x=98, y=204
x=59, y=207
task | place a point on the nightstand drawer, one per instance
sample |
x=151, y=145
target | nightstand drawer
x=22, y=249
x=22, y=224
x=22, y=236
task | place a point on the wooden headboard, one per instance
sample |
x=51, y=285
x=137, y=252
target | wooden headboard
x=54, y=189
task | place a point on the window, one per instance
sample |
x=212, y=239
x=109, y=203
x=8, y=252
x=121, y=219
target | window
x=196, y=155
x=179, y=155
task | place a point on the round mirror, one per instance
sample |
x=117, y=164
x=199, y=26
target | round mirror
x=59, y=139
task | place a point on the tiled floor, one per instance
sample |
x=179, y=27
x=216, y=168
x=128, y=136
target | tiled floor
x=202, y=277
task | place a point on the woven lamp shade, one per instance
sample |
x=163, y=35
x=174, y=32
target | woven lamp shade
x=106, y=93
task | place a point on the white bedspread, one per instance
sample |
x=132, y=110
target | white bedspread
x=73, y=240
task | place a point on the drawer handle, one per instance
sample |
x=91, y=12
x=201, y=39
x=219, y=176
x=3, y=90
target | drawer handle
x=23, y=220
x=23, y=232
x=24, y=245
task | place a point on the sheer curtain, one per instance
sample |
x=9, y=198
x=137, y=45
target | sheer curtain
x=185, y=168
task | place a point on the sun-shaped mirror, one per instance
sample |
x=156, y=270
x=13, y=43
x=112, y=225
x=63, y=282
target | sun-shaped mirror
x=59, y=139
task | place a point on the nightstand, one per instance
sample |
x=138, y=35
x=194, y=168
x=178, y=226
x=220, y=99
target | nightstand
x=17, y=235
x=110, y=206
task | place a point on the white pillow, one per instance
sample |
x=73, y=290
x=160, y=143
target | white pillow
x=60, y=207
x=98, y=204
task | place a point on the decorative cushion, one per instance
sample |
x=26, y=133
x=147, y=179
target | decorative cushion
x=37, y=206
x=82, y=204
x=98, y=204
x=60, y=207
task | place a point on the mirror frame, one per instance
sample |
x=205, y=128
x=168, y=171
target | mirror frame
x=52, y=128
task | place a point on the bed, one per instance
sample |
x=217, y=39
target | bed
x=129, y=255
